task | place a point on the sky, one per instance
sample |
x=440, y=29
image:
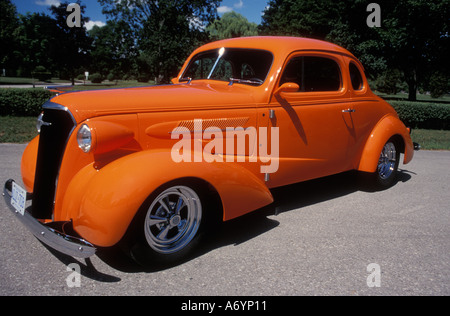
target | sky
x=251, y=9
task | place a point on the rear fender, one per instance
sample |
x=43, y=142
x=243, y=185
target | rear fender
x=103, y=203
x=388, y=127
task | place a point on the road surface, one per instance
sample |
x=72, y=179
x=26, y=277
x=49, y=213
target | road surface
x=323, y=237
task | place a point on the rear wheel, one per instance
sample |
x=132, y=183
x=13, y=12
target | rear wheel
x=387, y=167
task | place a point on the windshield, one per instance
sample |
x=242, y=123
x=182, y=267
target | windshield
x=234, y=65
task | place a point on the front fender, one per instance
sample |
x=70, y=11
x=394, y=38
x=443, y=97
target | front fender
x=386, y=128
x=28, y=164
x=103, y=203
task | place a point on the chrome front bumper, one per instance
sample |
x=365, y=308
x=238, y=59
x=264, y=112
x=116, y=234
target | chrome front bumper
x=69, y=245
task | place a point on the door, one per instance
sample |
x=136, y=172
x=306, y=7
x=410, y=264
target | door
x=315, y=130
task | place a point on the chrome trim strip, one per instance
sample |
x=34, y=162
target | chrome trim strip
x=66, y=244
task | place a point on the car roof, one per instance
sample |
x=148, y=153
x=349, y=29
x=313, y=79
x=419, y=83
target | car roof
x=278, y=44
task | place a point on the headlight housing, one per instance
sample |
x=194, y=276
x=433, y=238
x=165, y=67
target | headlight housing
x=84, y=138
x=100, y=137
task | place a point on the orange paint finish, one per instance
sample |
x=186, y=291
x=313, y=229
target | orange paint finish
x=103, y=215
x=28, y=165
x=325, y=127
x=383, y=131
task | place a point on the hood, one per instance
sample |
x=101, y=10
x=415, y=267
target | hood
x=194, y=96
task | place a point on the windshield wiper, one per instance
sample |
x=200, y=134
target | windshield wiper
x=188, y=79
x=253, y=81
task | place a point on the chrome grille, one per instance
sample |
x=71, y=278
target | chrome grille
x=59, y=124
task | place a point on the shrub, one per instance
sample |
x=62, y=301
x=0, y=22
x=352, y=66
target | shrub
x=23, y=102
x=423, y=115
x=389, y=82
x=439, y=84
x=42, y=74
x=142, y=77
x=111, y=77
x=96, y=78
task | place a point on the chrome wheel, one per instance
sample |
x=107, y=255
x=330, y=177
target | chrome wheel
x=173, y=220
x=388, y=161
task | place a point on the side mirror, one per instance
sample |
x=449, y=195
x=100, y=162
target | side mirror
x=287, y=87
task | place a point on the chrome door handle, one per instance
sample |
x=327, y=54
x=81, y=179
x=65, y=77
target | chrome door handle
x=348, y=111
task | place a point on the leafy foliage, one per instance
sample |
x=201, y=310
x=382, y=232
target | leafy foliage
x=423, y=115
x=231, y=25
x=23, y=102
x=413, y=37
x=150, y=39
x=166, y=31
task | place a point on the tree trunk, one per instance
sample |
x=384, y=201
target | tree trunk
x=411, y=80
x=412, y=91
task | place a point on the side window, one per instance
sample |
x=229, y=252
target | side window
x=355, y=76
x=293, y=72
x=313, y=74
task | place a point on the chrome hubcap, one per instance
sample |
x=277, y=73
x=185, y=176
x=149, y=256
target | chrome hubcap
x=387, y=161
x=173, y=219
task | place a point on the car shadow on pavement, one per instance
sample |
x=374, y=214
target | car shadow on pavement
x=87, y=269
x=242, y=229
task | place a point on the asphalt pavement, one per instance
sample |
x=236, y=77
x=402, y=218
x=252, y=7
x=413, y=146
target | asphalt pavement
x=323, y=237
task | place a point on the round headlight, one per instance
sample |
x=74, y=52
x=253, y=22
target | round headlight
x=84, y=138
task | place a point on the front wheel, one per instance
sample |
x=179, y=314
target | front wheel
x=169, y=227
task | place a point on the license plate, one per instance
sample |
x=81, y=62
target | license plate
x=18, y=199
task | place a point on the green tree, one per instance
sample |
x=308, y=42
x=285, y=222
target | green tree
x=166, y=31
x=74, y=44
x=113, y=50
x=232, y=24
x=309, y=18
x=36, y=36
x=340, y=22
x=9, y=23
x=413, y=36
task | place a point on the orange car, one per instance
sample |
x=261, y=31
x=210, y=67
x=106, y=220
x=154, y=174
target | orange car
x=153, y=167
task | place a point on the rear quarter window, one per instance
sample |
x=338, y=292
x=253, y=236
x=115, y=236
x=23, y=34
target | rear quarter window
x=356, y=78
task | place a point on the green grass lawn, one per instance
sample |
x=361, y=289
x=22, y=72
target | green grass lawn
x=17, y=129
x=420, y=97
x=21, y=81
x=23, y=129
x=86, y=86
x=107, y=85
x=431, y=139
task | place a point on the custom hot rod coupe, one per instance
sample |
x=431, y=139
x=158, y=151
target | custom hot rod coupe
x=153, y=167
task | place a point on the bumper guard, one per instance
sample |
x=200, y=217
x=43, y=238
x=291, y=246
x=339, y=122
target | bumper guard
x=69, y=245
